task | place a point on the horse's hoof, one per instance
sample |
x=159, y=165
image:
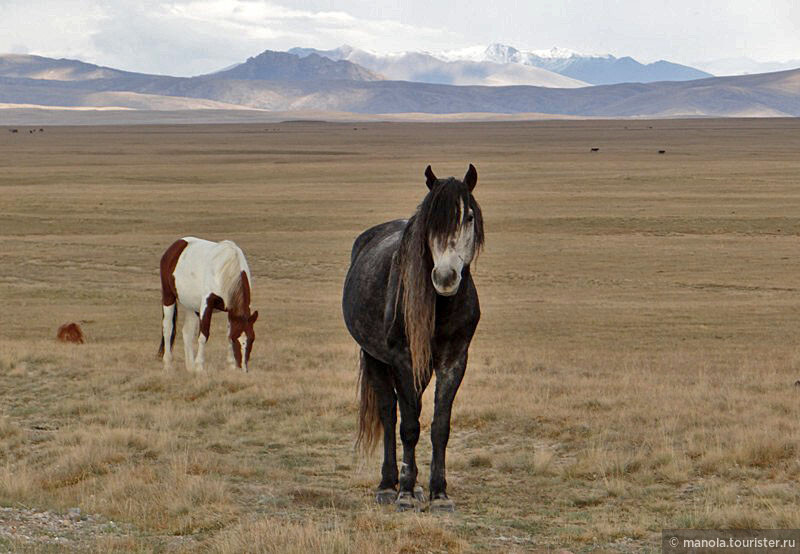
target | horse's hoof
x=419, y=494
x=386, y=496
x=442, y=505
x=406, y=501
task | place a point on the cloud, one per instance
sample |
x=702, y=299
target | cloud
x=190, y=37
x=285, y=27
x=56, y=28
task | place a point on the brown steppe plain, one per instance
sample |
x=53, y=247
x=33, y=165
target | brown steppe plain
x=634, y=368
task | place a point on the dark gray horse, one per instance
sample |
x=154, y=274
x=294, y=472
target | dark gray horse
x=410, y=304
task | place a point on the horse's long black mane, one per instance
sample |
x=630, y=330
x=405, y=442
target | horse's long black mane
x=437, y=217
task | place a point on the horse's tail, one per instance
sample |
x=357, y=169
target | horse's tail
x=172, y=336
x=369, y=420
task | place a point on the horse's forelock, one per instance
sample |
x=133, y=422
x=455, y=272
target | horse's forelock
x=441, y=210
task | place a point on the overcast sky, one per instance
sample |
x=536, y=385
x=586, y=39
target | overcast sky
x=188, y=37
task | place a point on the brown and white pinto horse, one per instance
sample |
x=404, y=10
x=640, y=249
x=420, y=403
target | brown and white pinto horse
x=204, y=276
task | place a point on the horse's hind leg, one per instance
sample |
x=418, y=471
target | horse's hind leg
x=190, y=330
x=378, y=376
x=167, y=333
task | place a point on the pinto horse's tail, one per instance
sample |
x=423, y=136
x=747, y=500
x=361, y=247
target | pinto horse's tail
x=172, y=336
x=369, y=421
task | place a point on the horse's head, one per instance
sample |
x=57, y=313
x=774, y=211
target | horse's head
x=242, y=337
x=454, y=227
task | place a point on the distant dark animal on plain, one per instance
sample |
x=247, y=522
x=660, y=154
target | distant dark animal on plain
x=70, y=332
x=661, y=151
x=411, y=305
x=595, y=149
x=32, y=131
x=41, y=130
x=14, y=130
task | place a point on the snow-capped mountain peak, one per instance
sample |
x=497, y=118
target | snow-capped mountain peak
x=562, y=53
x=501, y=53
x=469, y=54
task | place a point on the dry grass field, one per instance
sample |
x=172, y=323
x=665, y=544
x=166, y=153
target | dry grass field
x=634, y=367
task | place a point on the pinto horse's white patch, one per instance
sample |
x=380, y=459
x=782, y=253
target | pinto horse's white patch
x=166, y=331
x=243, y=344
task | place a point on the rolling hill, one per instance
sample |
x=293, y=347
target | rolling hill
x=49, y=69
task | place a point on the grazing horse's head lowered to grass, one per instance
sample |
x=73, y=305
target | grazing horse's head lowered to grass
x=241, y=321
x=411, y=305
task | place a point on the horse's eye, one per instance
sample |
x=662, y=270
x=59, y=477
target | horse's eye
x=470, y=217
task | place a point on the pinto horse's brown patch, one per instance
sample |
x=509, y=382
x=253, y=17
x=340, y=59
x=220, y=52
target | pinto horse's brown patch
x=213, y=302
x=169, y=293
x=70, y=332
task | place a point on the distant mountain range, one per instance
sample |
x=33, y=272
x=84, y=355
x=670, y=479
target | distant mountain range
x=499, y=64
x=280, y=81
x=422, y=67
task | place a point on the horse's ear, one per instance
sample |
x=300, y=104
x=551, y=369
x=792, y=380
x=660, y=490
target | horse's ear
x=253, y=317
x=431, y=178
x=471, y=178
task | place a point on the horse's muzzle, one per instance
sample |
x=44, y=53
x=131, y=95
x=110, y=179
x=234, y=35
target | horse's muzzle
x=445, y=281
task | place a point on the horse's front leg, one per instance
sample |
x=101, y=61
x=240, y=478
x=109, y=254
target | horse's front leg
x=410, y=402
x=447, y=382
x=231, y=358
